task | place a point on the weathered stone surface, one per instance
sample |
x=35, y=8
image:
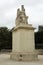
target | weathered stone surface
x=23, y=45
x=24, y=56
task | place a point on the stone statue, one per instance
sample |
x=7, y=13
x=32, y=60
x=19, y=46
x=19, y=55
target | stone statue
x=22, y=8
x=21, y=16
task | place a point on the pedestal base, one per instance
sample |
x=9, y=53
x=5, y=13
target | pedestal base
x=18, y=56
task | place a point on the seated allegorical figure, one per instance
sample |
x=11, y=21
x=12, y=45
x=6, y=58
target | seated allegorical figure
x=21, y=16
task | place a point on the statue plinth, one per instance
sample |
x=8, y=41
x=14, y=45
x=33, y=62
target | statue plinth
x=23, y=46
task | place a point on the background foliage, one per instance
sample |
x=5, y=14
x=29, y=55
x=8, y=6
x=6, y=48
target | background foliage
x=5, y=38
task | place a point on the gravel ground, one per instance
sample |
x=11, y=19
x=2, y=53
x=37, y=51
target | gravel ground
x=5, y=60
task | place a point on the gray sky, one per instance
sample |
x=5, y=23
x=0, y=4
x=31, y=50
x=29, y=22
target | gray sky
x=8, y=10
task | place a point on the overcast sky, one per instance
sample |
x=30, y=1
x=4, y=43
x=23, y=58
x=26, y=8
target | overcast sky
x=8, y=10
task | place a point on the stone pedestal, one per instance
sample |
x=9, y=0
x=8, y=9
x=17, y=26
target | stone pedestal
x=23, y=45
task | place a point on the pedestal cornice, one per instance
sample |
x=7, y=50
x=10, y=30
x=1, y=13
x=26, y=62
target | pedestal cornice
x=23, y=26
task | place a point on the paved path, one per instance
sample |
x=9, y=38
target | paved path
x=5, y=60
